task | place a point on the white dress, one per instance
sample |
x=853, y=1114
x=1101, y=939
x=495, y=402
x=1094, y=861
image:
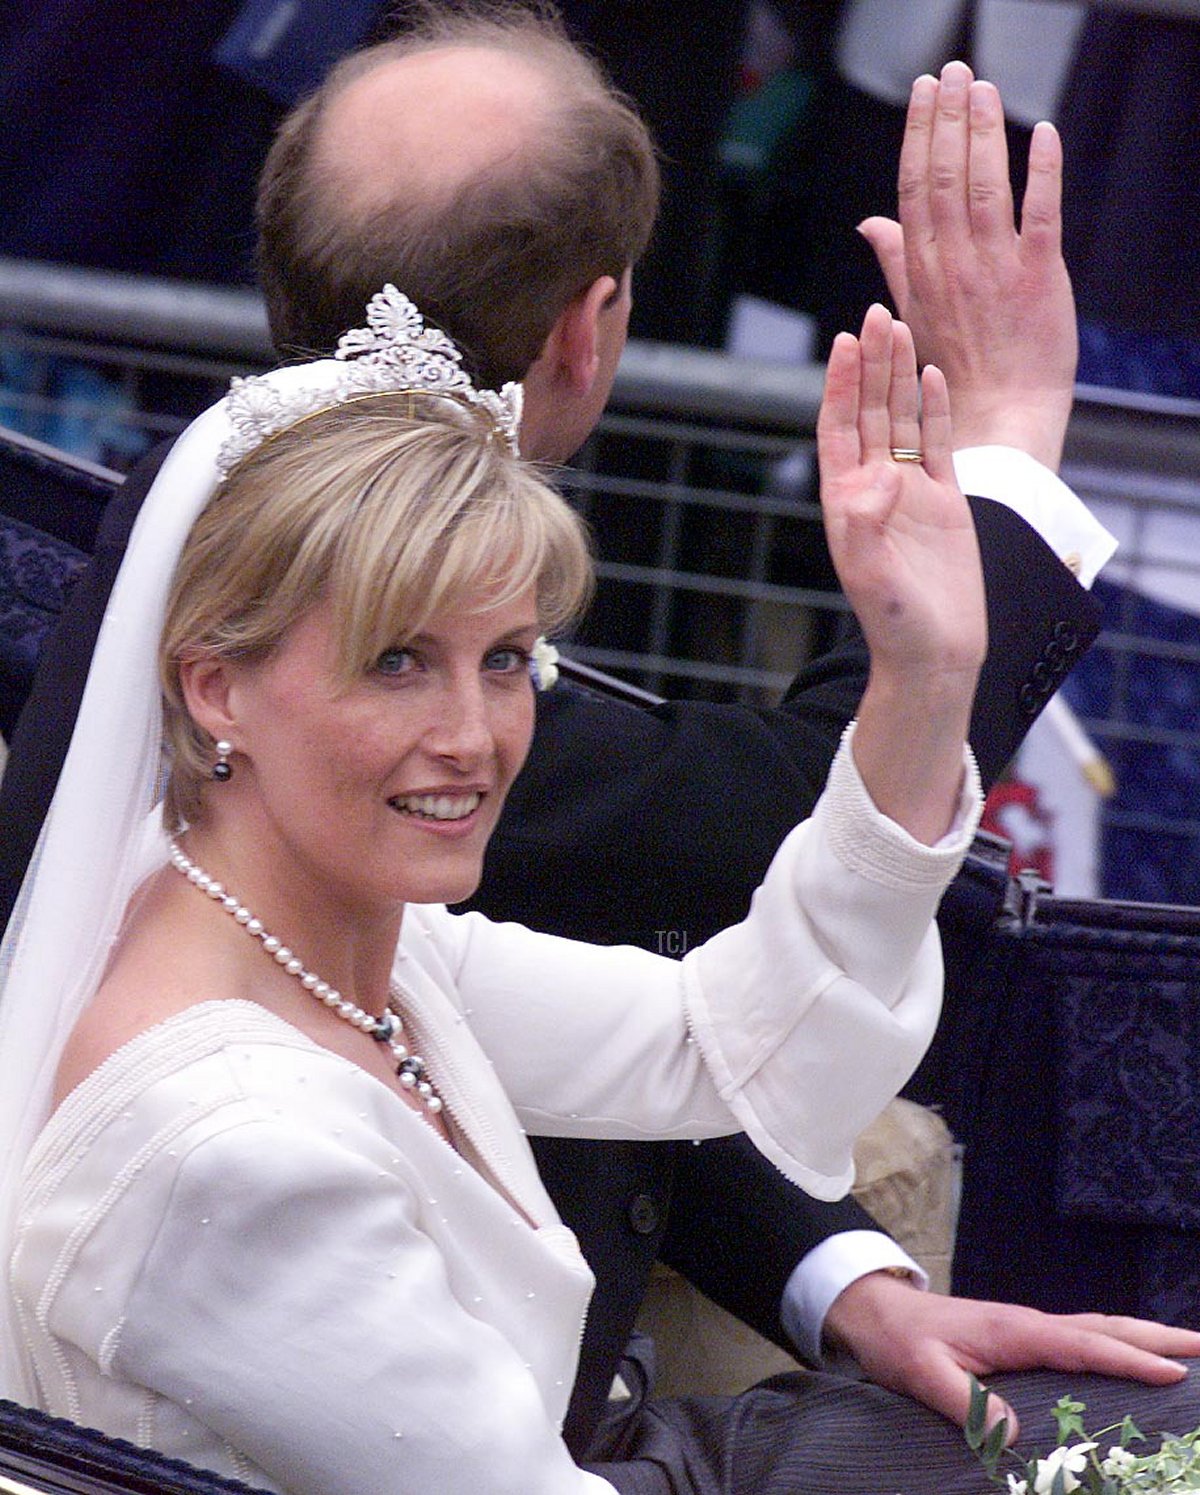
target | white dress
x=239, y=1248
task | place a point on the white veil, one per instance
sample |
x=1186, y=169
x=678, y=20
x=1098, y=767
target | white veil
x=99, y=839
x=103, y=833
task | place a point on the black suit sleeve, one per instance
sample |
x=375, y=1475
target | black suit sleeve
x=1040, y=622
x=737, y=1229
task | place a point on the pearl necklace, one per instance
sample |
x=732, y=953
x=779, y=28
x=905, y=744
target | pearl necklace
x=410, y=1068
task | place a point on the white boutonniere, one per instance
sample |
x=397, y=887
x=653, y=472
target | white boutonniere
x=543, y=664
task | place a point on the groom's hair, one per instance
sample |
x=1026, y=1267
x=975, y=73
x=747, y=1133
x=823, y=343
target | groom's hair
x=492, y=258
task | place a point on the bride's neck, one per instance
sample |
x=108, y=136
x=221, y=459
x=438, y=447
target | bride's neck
x=347, y=942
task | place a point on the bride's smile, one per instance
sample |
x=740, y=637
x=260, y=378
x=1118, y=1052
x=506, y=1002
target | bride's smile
x=384, y=791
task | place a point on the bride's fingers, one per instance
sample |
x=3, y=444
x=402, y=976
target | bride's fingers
x=936, y=436
x=839, y=446
x=874, y=421
x=903, y=398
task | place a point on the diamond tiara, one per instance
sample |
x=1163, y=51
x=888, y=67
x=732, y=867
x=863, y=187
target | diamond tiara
x=394, y=353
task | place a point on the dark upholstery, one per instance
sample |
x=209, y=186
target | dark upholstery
x=36, y=571
x=50, y=507
x=58, y=1456
x=1068, y=1064
x=62, y=495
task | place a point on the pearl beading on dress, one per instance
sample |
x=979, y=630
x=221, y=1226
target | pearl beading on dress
x=410, y=1068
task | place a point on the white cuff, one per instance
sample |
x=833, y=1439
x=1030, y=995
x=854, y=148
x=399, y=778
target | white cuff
x=825, y=1272
x=893, y=844
x=1012, y=477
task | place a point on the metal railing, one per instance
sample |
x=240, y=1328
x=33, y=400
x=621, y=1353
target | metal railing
x=714, y=580
x=675, y=483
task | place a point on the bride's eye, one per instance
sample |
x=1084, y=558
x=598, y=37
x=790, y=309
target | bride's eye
x=510, y=660
x=395, y=662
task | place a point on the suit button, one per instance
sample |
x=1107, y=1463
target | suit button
x=1030, y=701
x=1041, y=675
x=643, y=1214
x=1067, y=637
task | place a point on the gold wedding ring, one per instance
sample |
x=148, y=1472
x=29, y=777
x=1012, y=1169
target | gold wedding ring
x=907, y=454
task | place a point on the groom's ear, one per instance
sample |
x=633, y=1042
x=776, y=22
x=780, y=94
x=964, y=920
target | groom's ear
x=573, y=349
x=204, y=681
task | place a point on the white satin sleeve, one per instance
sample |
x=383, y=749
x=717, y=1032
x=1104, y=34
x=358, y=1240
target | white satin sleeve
x=797, y=1025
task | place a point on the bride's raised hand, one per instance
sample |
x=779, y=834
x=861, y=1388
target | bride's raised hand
x=904, y=547
x=900, y=533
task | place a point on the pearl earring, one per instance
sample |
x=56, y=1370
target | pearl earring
x=221, y=770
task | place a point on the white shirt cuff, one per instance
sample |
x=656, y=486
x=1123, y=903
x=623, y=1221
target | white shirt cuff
x=828, y=1269
x=1014, y=478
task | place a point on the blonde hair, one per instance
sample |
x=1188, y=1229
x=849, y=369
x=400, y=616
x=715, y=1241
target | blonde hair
x=393, y=508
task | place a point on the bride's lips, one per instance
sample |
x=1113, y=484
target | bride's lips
x=438, y=807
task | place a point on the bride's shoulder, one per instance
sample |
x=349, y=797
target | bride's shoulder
x=162, y=963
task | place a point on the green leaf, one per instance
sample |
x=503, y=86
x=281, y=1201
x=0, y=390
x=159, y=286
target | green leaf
x=1069, y=1419
x=975, y=1428
x=993, y=1445
x=1130, y=1431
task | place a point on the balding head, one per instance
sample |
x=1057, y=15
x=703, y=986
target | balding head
x=428, y=125
x=481, y=163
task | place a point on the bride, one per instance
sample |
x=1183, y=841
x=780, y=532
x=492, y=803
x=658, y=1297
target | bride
x=268, y=1203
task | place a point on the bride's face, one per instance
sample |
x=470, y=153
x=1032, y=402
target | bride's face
x=386, y=791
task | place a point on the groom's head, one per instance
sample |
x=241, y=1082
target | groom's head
x=484, y=165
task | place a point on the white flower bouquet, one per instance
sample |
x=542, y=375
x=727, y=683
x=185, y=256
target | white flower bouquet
x=1081, y=1465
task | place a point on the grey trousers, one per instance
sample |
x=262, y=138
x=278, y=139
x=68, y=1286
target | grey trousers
x=812, y=1433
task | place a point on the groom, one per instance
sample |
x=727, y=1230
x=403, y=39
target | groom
x=486, y=169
